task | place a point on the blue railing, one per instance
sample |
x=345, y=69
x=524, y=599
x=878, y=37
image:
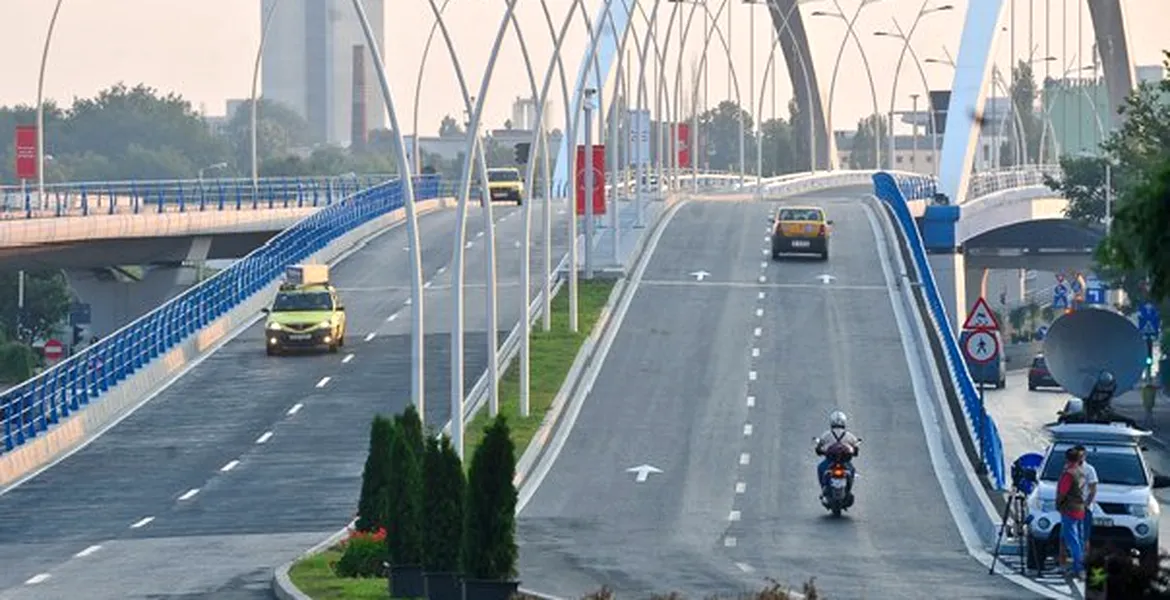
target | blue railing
x=134, y=197
x=895, y=191
x=33, y=407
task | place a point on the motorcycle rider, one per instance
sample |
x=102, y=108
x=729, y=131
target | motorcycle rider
x=837, y=434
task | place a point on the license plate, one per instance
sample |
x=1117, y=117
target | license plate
x=800, y=243
x=838, y=483
x=1098, y=522
x=299, y=336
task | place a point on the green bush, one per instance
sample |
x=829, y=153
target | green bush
x=376, y=476
x=490, y=523
x=445, y=491
x=364, y=555
x=18, y=362
x=410, y=426
x=404, y=497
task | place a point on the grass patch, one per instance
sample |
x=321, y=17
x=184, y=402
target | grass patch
x=314, y=576
x=553, y=353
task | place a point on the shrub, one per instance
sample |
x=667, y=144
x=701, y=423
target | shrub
x=363, y=555
x=1121, y=575
x=404, y=494
x=490, y=523
x=410, y=426
x=445, y=491
x=18, y=362
x=376, y=476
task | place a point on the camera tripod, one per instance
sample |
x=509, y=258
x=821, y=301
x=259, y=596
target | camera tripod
x=1015, y=524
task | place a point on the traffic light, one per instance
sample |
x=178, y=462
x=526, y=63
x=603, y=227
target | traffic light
x=521, y=152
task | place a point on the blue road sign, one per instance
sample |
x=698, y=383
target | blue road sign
x=1095, y=295
x=1060, y=296
x=1076, y=286
x=1149, y=321
x=1041, y=332
x=1060, y=302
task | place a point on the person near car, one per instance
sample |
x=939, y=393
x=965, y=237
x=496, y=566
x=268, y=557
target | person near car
x=1070, y=501
x=1089, y=491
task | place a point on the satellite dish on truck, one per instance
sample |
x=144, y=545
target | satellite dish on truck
x=1082, y=344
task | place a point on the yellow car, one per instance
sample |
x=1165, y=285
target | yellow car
x=306, y=314
x=506, y=184
x=800, y=229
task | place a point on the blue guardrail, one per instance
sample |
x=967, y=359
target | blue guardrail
x=33, y=407
x=134, y=197
x=895, y=191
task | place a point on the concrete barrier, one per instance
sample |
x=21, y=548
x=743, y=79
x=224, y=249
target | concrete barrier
x=36, y=455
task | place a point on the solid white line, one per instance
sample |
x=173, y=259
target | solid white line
x=755, y=352
x=751, y=401
x=747, y=429
x=740, y=487
x=228, y=467
x=189, y=494
x=746, y=568
x=392, y=317
x=734, y=516
x=295, y=409
x=775, y=286
x=759, y=312
x=348, y=357
x=88, y=551
x=324, y=381
x=757, y=332
x=264, y=438
x=751, y=375
x=371, y=335
x=745, y=458
x=729, y=542
x=35, y=579
x=142, y=523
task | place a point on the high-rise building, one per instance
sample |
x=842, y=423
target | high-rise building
x=308, y=63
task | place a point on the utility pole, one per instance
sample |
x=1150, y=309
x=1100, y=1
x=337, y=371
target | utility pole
x=588, y=168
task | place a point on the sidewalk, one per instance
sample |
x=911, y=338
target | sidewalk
x=628, y=238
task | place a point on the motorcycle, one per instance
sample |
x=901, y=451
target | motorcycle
x=836, y=491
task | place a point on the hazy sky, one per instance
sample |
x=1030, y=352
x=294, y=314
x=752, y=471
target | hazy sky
x=205, y=49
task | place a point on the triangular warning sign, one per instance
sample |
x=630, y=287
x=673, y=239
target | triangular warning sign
x=981, y=317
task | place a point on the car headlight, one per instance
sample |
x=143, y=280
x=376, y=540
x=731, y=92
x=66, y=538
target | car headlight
x=1047, y=506
x=274, y=326
x=1140, y=511
x=324, y=324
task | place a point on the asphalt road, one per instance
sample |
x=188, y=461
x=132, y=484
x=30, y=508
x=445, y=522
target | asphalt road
x=721, y=384
x=248, y=460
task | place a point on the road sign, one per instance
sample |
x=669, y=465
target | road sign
x=1077, y=286
x=1041, y=332
x=1060, y=301
x=1149, y=322
x=26, y=151
x=1095, y=294
x=54, y=350
x=981, y=346
x=981, y=317
x=1060, y=278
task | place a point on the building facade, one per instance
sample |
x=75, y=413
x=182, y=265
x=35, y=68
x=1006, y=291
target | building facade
x=308, y=65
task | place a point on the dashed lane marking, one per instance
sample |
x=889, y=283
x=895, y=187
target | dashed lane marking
x=141, y=523
x=746, y=568
x=747, y=429
x=755, y=352
x=734, y=516
x=88, y=551
x=759, y=312
x=228, y=467
x=264, y=438
x=189, y=494
x=392, y=317
x=740, y=487
x=348, y=357
x=729, y=542
x=758, y=331
x=751, y=375
x=751, y=401
x=39, y=578
x=295, y=409
x=371, y=335
x=745, y=458
x=324, y=381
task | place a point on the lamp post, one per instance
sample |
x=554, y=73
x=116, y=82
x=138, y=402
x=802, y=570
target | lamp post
x=253, y=109
x=41, y=107
x=588, y=173
x=850, y=32
x=905, y=37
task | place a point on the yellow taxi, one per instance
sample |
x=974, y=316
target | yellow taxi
x=506, y=184
x=307, y=312
x=801, y=229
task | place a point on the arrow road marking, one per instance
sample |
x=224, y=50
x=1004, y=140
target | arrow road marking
x=700, y=275
x=643, y=472
x=825, y=278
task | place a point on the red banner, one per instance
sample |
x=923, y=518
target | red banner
x=598, y=163
x=26, y=151
x=683, y=131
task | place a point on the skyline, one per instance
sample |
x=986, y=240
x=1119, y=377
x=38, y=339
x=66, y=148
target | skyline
x=97, y=44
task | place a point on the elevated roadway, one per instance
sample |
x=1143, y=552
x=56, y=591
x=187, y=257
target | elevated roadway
x=720, y=384
x=248, y=460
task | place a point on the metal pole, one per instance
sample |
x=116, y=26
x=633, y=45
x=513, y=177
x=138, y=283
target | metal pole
x=255, y=81
x=20, y=304
x=418, y=83
x=41, y=109
x=751, y=97
x=588, y=172
x=914, y=135
x=417, y=334
x=1108, y=196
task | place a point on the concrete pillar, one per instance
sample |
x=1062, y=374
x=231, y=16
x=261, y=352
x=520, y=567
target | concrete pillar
x=938, y=226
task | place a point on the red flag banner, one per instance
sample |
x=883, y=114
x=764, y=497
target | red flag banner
x=598, y=164
x=684, y=144
x=26, y=151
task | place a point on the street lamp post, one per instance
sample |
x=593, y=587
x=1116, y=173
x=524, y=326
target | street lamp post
x=588, y=173
x=41, y=108
x=850, y=32
x=253, y=108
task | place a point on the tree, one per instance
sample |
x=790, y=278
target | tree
x=1023, y=95
x=445, y=493
x=490, y=550
x=410, y=426
x=404, y=496
x=722, y=127
x=279, y=130
x=46, y=304
x=776, y=146
x=376, y=476
x=862, y=154
x=1082, y=182
x=800, y=136
x=450, y=127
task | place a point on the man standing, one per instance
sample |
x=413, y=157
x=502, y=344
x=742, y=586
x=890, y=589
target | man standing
x=1089, y=491
x=1070, y=500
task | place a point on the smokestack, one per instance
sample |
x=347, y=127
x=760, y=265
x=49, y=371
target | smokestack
x=358, y=131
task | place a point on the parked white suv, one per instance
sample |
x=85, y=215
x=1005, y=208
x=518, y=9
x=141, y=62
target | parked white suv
x=1125, y=513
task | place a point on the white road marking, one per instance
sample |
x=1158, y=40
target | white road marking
x=763, y=279
x=142, y=523
x=734, y=516
x=189, y=494
x=764, y=265
x=392, y=317
x=516, y=244
x=35, y=579
x=295, y=409
x=751, y=401
x=755, y=352
x=757, y=332
x=759, y=312
x=740, y=487
x=760, y=296
x=428, y=284
x=729, y=542
x=408, y=301
x=764, y=252
x=325, y=380
x=264, y=438
x=88, y=551
x=441, y=270
x=751, y=375
x=745, y=458
x=469, y=244
x=479, y=235
x=746, y=568
x=747, y=429
x=228, y=467
x=369, y=336
x=348, y=357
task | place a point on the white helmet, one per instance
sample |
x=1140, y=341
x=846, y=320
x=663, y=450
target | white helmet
x=837, y=420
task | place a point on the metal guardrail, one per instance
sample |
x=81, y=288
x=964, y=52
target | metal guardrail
x=989, y=182
x=86, y=198
x=896, y=190
x=33, y=407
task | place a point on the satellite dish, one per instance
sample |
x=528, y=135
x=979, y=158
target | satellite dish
x=1081, y=344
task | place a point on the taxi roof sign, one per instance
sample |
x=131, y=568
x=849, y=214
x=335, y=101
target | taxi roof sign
x=981, y=317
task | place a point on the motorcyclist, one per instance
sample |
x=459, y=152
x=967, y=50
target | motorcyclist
x=837, y=434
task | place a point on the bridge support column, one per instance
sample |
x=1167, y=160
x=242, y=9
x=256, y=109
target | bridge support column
x=939, y=225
